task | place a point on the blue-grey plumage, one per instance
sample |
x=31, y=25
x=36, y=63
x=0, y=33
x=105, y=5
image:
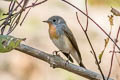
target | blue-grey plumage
x=63, y=38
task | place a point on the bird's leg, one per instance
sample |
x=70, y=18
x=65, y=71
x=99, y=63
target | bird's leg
x=67, y=61
x=56, y=52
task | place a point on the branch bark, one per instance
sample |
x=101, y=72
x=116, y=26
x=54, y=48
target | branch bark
x=58, y=62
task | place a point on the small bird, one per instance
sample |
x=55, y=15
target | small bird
x=63, y=38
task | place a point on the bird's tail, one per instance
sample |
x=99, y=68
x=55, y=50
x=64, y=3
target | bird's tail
x=78, y=58
x=82, y=65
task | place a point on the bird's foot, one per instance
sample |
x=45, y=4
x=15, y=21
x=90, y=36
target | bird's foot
x=56, y=53
x=67, y=62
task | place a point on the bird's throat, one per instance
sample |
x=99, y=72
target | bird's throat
x=52, y=32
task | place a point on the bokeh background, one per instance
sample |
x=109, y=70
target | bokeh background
x=16, y=65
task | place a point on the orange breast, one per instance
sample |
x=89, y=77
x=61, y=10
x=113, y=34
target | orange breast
x=52, y=31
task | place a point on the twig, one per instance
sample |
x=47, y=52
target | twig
x=33, y=5
x=117, y=60
x=107, y=39
x=93, y=22
x=14, y=15
x=26, y=14
x=113, y=52
x=58, y=62
x=18, y=5
x=91, y=47
x=86, y=14
x=115, y=12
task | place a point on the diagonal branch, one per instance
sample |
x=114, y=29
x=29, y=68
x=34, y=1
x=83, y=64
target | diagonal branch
x=58, y=62
x=113, y=52
x=92, y=21
x=86, y=14
x=94, y=53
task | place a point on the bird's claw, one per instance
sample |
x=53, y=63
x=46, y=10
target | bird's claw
x=56, y=53
x=67, y=62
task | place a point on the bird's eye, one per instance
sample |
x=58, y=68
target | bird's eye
x=54, y=20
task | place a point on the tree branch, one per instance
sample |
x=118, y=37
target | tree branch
x=58, y=62
x=92, y=21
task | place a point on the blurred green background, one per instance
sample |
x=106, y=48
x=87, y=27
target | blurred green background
x=15, y=65
x=105, y=2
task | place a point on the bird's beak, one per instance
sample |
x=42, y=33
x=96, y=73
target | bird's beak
x=46, y=21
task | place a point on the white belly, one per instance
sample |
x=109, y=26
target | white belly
x=63, y=44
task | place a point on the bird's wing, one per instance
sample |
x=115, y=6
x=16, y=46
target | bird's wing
x=70, y=36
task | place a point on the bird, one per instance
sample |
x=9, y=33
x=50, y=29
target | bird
x=63, y=39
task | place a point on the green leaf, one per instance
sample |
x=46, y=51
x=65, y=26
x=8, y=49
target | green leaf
x=8, y=43
x=100, y=56
x=102, y=52
x=111, y=20
x=106, y=42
